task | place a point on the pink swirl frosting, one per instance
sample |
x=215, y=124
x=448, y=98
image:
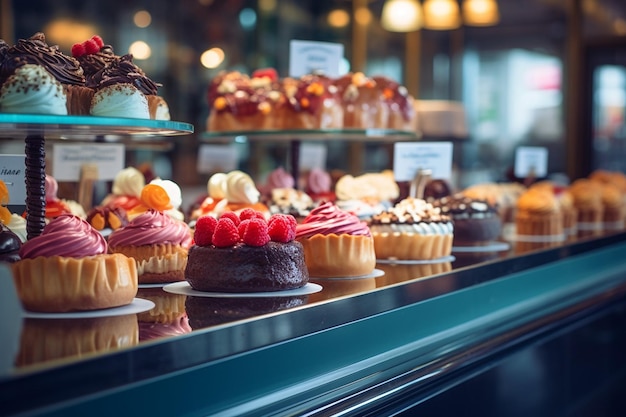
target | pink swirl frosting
x=51, y=187
x=279, y=178
x=151, y=228
x=319, y=181
x=66, y=235
x=328, y=219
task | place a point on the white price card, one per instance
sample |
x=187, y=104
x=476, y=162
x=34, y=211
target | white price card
x=312, y=155
x=531, y=161
x=217, y=158
x=306, y=57
x=12, y=172
x=67, y=160
x=410, y=157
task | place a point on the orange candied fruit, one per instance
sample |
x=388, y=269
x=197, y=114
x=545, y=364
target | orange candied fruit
x=4, y=193
x=155, y=197
x=305, y=103
x=317, y=89
x=220, y=103
x=265, y=108
x=388, y=93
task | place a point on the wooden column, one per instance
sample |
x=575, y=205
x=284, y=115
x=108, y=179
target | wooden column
x=577, y=147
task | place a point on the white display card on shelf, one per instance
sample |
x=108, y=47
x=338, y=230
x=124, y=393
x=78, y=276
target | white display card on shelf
x=67, y=160
x=312, y=155
x=13, y=173
x=410, y=157
x=531, y=161
x=306, y=57
x=217, y=158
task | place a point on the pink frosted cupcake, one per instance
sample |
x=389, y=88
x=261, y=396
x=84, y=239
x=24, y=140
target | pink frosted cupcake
x=158, y=243
x=328, y=234
x=319, y=185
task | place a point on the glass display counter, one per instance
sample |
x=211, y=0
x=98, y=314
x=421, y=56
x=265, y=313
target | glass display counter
x=377, y=345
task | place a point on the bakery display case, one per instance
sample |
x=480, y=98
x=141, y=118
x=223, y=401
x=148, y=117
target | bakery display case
x=477, y=329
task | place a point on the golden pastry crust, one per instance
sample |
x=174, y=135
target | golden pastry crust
x=160, y=263
x=538, y=214
x=45, y=340
x=58, y=284
x=411, y=246
x=167, y=307
x=329, y=256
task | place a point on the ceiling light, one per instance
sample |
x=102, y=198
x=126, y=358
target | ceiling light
x=480, y=12
x=441, y=14
x=402, y=15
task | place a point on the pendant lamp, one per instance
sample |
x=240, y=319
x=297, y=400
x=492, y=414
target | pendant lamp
x=480, y=12
x=441, y=14
x=402, y=15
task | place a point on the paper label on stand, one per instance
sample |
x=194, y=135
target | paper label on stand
x=531, y=161
x=312, y=155
x=13, y=173
x=306, y=57
x=67, y=160
x=410, y=157
x=217, y=158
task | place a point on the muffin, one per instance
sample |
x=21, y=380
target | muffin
x=538, y=216
x=158, y=242
x=328, y=234
x=588, y=201
x=612, y=208
x=412, y=230
x=67, y=268
x=565, y=200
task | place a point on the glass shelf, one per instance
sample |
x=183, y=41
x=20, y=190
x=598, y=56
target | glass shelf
x=87, y=127
x=361, y=135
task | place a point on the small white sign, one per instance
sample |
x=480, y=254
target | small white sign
x=312, y=155
x=410, y=157
x=531, y=161
x=306, y=57
x=217, y=158
x=13, y=173
x=67, y=160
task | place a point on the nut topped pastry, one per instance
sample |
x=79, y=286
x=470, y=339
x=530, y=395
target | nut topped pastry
x=412, y=230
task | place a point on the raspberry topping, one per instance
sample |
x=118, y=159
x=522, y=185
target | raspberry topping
x=225, y=234
x=250, y=213
x=98, y=40
x=205, y=226
x=78, y=49
x=266, y=72
x=231, y=215
x=255, y=234
x=91, y=46
x=282, y=228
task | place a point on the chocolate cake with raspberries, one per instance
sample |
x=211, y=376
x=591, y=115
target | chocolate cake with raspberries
x=245, y=253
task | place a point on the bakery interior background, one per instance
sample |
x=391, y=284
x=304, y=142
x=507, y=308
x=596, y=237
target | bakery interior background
x=510, y=76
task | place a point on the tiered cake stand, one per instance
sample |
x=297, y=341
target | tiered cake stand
x=37, y=128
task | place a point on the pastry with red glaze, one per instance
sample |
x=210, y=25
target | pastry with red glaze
x=68, y=268
x=362, y=101
x=246, y=253
x=157, y=242
x=400, y=104
x=328, y=234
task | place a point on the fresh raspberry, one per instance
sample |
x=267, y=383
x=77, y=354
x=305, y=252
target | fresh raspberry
x=282, y=228
x=266, y=72
x=231, y=215
x=91, y=47
x=255, y=234
x=78, y=49
x=98, y=40
x=242, y=227
x=226, y=233
x=250, y=213
x=205, y=226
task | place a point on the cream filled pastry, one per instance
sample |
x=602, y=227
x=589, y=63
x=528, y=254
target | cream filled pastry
x=126, y=190
x=67, y=268
x=32, y=89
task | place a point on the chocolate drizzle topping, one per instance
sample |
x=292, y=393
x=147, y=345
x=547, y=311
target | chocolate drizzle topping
x=92, y=63
x=35, y=50
x=35, y=186
x=122, y=70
